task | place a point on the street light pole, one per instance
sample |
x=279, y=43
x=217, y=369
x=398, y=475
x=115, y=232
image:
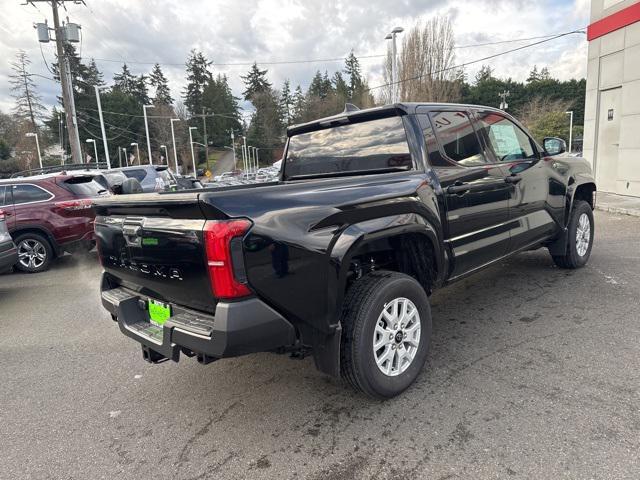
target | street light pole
x=104, y=135
x=31, y=134
x=394, y=62
x=126, y=156
x=95, y=150
x=146, y=128
x=173, y=139
x=120, y=157
x=193, y=158
x=570, y=113
x=245, y=153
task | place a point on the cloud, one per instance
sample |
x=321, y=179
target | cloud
x=230, y=31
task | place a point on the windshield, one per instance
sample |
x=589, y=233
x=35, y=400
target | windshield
x=375, y=145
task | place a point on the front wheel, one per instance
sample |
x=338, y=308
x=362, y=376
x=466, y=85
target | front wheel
x=580, y=237
x=386, y=325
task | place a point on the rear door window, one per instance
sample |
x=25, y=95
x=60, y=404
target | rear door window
x=138, y=174
x=84, y=186
x=374, y=145
x=458, y=137
x=29, y=194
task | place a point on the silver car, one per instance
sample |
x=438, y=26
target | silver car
x=152, y=178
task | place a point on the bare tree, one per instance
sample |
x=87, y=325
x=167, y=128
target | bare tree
x=23, y=89
x=545, y=117
x=426, y=62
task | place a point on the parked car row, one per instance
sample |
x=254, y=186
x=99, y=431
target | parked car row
x=262, y=175
x=46, y=212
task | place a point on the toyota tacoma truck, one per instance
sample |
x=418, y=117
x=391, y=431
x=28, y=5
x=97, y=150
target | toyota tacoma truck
x=373, y=210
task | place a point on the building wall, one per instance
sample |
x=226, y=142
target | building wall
x=614, y=62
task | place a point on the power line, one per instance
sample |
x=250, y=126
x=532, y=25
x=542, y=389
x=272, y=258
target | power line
x=500, y=42
x=471, y=62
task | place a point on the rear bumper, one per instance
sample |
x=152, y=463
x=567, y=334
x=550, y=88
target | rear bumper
x=8, y=256
x=237, y=328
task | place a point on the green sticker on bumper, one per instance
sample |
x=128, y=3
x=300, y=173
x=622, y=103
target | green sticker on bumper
x=159, y=312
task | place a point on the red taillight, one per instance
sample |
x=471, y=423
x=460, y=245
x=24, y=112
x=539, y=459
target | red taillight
x=217, y=242
x=71, y=205
x=2, y=215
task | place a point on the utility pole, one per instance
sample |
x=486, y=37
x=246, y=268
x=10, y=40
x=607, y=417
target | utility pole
x=67, y=87
x=503, y=104
x=104, y=135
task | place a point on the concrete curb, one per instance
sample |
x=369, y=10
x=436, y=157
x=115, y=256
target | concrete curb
x=619, y=210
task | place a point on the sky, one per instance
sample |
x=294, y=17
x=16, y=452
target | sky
x=142, y=32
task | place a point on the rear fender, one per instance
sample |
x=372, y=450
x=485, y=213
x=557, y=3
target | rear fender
x=346, y=245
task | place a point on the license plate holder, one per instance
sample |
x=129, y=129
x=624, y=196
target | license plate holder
x=159, y=312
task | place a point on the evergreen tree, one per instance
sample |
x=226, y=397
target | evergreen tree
x=23, y=89
x=299, y=105
x=124, y=81
x=354, y=75
x=341, y=88
x=198, y=77
x=286, y=104
x=485, y=73
x=255, y=82
x=161, y=85
x=219, y=99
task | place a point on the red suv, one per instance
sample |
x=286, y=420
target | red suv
x=49, y=214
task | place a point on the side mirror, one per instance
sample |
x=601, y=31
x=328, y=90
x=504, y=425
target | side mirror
x=554, y=146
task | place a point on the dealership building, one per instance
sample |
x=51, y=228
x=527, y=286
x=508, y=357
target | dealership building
x=612, y=107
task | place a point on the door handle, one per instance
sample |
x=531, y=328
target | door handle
x=513, y=179
x=458, y=188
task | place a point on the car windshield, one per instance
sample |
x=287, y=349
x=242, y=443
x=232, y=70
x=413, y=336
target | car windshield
x=375, y=145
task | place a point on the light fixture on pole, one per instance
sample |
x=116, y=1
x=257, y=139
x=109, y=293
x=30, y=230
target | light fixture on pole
x=166, y=155
x=394, y=62
x=173, y=139
x=95, y=149
x=146, y=129
x=570, y=113
x=134, y=144
x=193, y=158
x=31, y=134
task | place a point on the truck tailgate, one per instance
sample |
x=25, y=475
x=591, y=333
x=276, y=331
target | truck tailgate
x=153, y=244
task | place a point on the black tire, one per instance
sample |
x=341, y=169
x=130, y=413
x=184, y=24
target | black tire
x=41, y=264
x=572, y=258
x=363, y=306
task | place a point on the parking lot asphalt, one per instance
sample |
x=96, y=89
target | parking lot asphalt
x=533, y=373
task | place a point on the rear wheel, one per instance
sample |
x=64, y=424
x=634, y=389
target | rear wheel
x=386, y=326
x=34, y=253
x=580, y=237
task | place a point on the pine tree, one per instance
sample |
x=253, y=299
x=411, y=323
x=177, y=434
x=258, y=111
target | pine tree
x=255, y=82
x=354, y=75
x=485, y=73
x=299, y=105
x=198, y=77
x=124, y=81
x=161, y=85
x=341, y=88
x=286, y=104
x=23, y=89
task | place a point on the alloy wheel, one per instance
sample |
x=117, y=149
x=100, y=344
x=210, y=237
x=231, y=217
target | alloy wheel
x=31, y=253
x=583, y=234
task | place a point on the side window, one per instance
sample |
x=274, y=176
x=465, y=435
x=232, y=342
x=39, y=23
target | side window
x=137, y=174
x=28, y=193
x=507, y=140
x=458, y=138
x=433, y=150
x=2, y=200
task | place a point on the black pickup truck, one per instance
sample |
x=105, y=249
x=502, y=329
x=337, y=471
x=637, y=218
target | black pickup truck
x=372, y=211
